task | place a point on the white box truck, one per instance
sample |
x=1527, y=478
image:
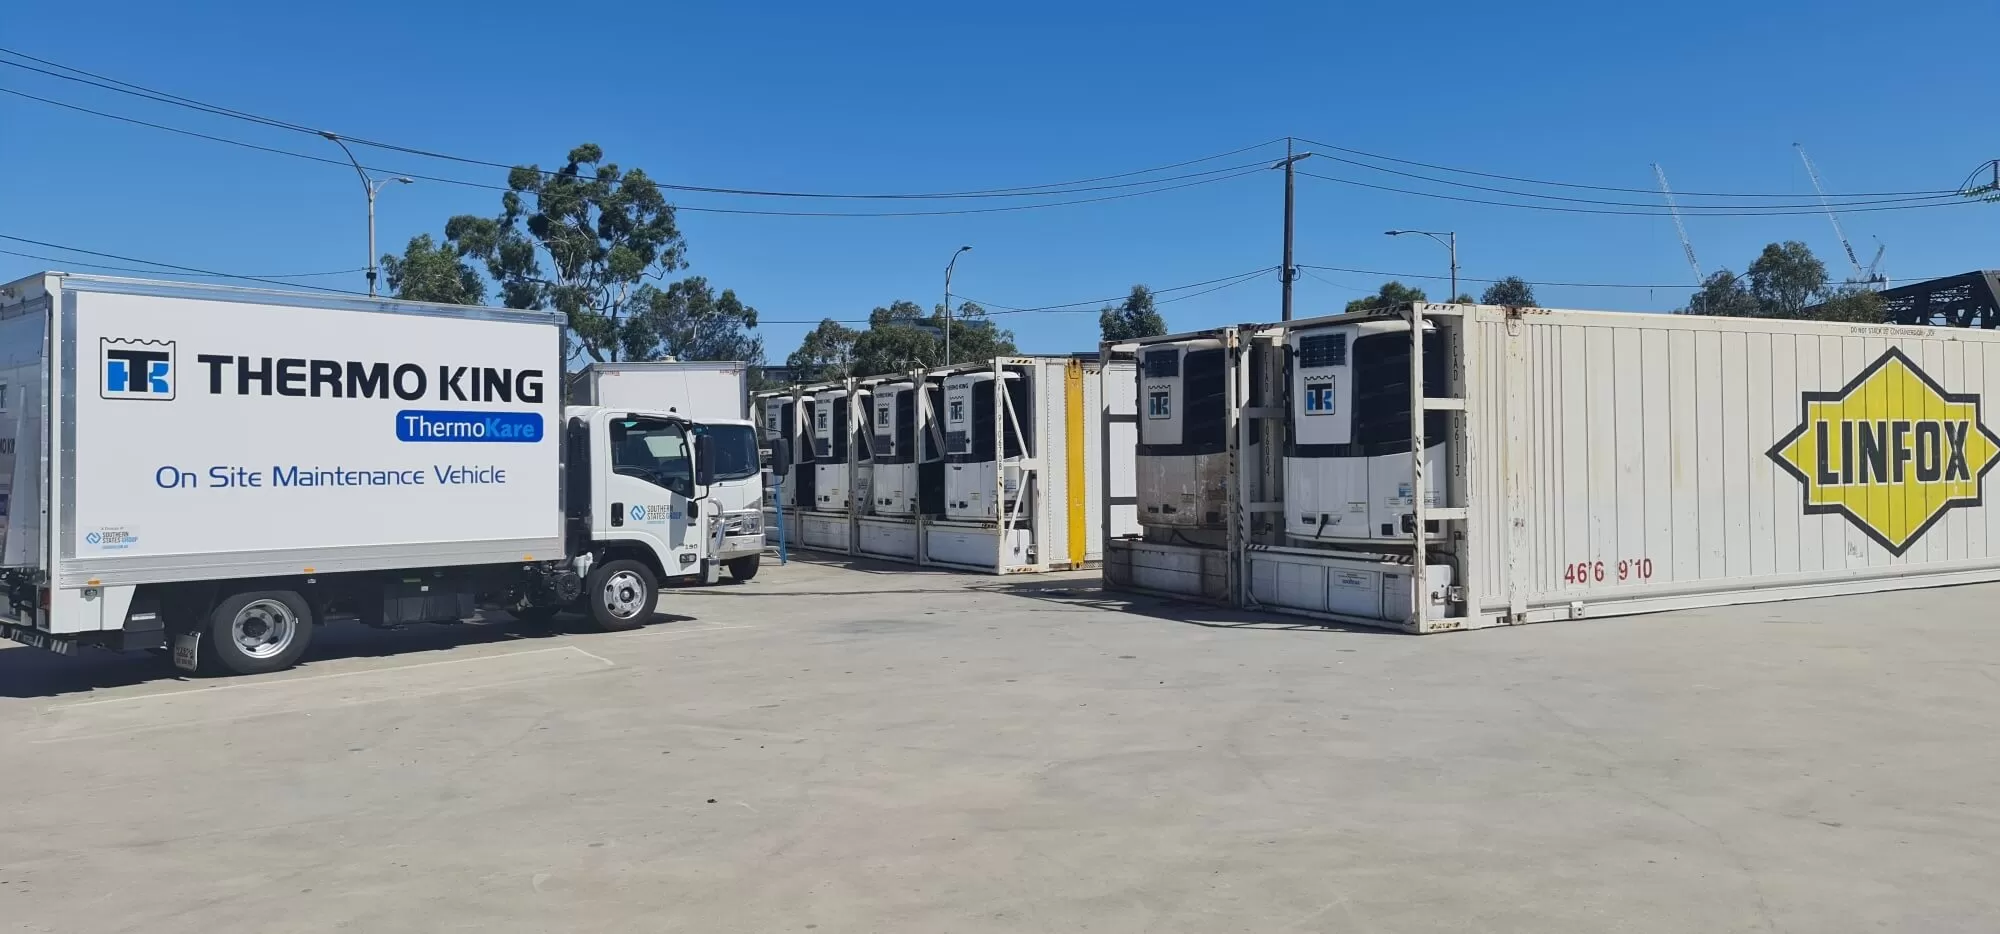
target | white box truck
x=717, y=395
x=218, y=471
x=1578, y=464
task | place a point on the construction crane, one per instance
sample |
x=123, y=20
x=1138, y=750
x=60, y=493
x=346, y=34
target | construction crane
x=1675, y=210
x=1861, y=276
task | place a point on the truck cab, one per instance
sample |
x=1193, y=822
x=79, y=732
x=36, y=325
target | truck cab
x=737, y=491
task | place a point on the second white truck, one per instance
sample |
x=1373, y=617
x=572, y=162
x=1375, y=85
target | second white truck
x=717, y=395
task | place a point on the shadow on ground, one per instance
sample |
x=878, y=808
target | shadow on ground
x=1092, y=595
x=26, y=672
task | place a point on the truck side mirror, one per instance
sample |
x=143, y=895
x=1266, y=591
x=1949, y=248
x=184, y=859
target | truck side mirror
x=778, y=460
x=704, y=461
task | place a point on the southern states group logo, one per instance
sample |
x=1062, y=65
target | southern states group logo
x=1892, y=451
x=135, y=369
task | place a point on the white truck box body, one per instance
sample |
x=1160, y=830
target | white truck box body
x=697, y=389
x=422, y=438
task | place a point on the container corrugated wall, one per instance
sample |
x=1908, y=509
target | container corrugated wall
x=1642, y=449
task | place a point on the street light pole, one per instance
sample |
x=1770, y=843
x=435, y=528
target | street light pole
x=947, y=302
x=1450, y=243
x=371, y=187
x=1288, y=273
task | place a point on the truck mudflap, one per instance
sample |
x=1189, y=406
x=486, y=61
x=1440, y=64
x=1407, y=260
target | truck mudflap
x=35, y=638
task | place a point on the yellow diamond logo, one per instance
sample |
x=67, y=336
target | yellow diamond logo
x=1892, y=451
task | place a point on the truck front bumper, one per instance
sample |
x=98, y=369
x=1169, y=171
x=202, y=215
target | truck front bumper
x=737, y=546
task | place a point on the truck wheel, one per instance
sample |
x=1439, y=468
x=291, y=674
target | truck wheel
x=621, y=595
x=743, y=569
x=256, y=632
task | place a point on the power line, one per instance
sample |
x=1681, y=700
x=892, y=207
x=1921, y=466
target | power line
x=1629, y=204
x=156, y=271
x=171, y=267
x=275, y=281
x=1573, y=285
x=1244, y=276
x=1201, y=178
x=1076, y=308
x=1950, y=201
x=1637, y=191
x=107, y=83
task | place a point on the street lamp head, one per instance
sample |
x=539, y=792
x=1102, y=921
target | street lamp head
x=1394, y=233
x=330, y=136
x=406, y=181
x=964, y=249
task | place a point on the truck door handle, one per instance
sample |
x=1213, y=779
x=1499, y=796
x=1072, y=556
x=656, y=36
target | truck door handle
x=617, y=513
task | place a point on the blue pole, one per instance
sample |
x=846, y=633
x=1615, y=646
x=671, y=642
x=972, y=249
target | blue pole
x=783, y=557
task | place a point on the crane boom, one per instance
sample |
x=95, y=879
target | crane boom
x=1813, y=174
x=1675, y=210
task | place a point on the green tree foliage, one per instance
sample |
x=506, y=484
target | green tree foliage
x=1786, y=281
x=1393, y=293
x=1133, y=318
x=826, y=353
x=900, y=336
x=1723, y=293
x=687, y=320
x=433, y=272
x=1786, y=278
x=581, y=240
x=1509, y=291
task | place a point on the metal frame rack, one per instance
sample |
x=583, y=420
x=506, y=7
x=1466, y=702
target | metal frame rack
x=1254, y=548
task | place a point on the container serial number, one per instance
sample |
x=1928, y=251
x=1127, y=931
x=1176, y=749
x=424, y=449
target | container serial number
x=1578, y=573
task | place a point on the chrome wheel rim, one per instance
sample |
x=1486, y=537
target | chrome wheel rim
x=624, y=594
x=264, y=629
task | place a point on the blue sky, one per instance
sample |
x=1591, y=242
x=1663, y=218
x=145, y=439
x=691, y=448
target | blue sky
x=940, y=97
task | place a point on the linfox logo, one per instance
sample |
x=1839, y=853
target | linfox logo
x=1892, y=451
x=135, y=369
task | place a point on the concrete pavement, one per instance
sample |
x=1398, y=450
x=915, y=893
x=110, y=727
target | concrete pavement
x=835, y=748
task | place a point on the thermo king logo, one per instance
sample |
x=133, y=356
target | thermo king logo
x=135, y=369
x=1892, y=451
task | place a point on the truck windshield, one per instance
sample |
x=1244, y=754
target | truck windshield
x=735, y=450
x=653, y=450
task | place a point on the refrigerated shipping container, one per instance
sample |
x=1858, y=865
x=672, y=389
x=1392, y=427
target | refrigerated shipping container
x=992, y=466
x=1582, y=464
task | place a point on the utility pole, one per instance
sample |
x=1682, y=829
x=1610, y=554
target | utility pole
x=1288, y=272
x=371, y=187
x=947, y=303
x=1447, y=239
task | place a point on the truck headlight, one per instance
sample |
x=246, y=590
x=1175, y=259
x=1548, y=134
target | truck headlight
x=744, y=524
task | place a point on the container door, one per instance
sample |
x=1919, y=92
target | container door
x=21, y=380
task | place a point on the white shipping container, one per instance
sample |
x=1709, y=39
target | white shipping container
x=1624, y=462
x=1586, y=464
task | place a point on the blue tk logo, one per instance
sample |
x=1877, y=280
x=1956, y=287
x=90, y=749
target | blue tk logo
x=136, y=369
x=638, y=514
